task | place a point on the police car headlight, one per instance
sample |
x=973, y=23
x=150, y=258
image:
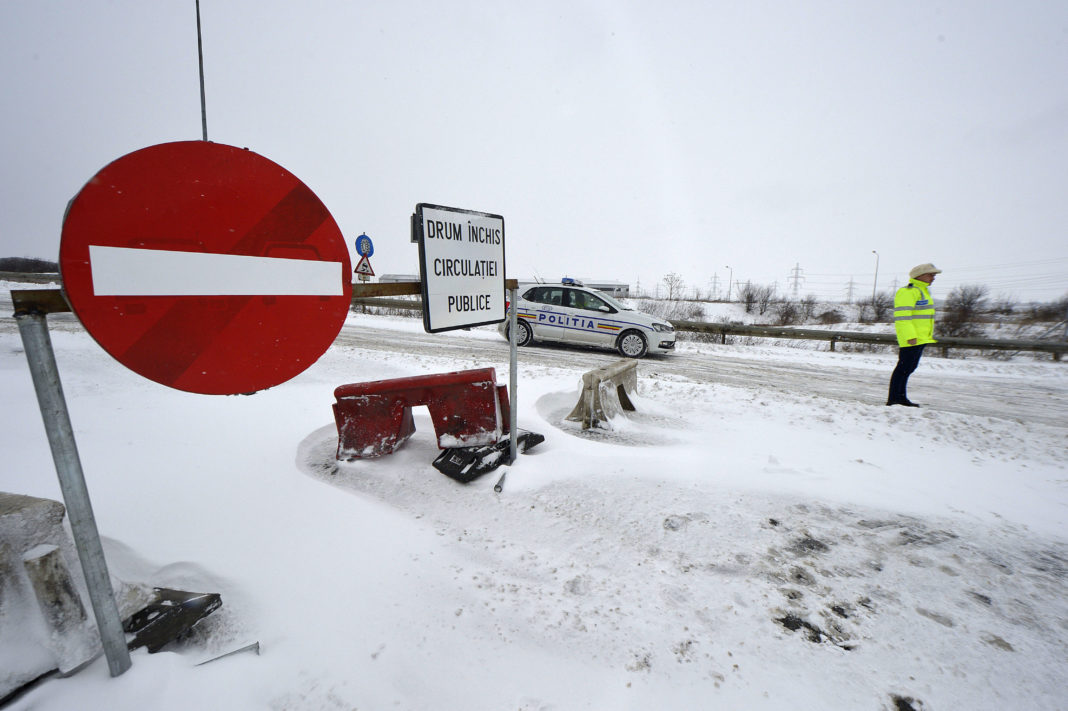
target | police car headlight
x=663, y=328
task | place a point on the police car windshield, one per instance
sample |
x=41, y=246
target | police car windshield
x=612, y=302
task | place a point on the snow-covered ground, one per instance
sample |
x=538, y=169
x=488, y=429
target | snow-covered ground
x=732, y=544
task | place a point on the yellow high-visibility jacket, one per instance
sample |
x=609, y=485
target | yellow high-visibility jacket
x=914, y=314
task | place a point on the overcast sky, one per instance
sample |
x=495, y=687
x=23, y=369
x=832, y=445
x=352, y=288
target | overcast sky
x=620, y=140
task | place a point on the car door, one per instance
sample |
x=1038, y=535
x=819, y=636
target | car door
x=548, y=314
x=586, y=312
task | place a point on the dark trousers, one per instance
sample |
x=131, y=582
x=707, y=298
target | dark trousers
x=908, y=357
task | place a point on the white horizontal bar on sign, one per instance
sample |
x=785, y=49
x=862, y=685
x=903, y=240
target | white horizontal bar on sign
x=124, y=271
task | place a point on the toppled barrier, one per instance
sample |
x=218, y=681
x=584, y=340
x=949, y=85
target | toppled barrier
x=467, y=408
x=605, y=393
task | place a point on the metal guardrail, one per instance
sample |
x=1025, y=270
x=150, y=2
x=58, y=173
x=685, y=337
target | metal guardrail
x=1057, y=348
x=372, y=295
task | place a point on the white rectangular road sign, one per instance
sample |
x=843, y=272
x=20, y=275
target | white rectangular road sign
x=461, y=263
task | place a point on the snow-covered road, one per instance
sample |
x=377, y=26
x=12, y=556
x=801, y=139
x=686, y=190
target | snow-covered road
x=986, y=388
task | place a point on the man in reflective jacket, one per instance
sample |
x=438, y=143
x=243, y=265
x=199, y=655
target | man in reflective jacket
x=914, y=314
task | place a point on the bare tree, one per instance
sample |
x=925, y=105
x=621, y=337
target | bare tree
x=882, y=306
x=963, y=307
x=748, y=296
x=808, y=307
x=1003, y=304
x=786, y=312
x=1050, y=312
x=674, y=284
x=756, y=296
x=765, y=295
x=877, y=309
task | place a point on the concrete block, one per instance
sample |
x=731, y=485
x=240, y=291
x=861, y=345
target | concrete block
x=43, y=624
x=72, y=638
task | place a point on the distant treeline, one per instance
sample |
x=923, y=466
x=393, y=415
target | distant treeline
x=28, y=265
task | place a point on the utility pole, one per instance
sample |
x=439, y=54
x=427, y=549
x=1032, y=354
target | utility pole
x=730, y=278
x=796, y=278
x=849, y=291
x=876, y=282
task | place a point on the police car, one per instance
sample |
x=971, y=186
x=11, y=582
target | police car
x=569, y=312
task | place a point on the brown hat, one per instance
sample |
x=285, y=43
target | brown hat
x=921, y=269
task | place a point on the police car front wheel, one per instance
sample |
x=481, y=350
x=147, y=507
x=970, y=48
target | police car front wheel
x=632, y=344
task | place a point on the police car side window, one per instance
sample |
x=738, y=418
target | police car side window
x=588, y=302
x=545, y=295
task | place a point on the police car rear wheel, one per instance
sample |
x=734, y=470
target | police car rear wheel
x=632, y=344
x=523, y=335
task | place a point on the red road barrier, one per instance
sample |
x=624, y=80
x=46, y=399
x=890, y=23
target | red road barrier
x=467, y=407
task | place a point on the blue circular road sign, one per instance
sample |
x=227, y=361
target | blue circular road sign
x=364, y=246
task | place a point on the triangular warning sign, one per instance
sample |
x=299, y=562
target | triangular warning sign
x=364, y=267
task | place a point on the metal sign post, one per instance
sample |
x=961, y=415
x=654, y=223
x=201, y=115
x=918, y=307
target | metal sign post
x=513, y=290
x=200, y=55
x=31, y=316
x=513, y=416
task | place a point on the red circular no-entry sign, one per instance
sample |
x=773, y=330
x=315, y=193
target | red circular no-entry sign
x=205, y=267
